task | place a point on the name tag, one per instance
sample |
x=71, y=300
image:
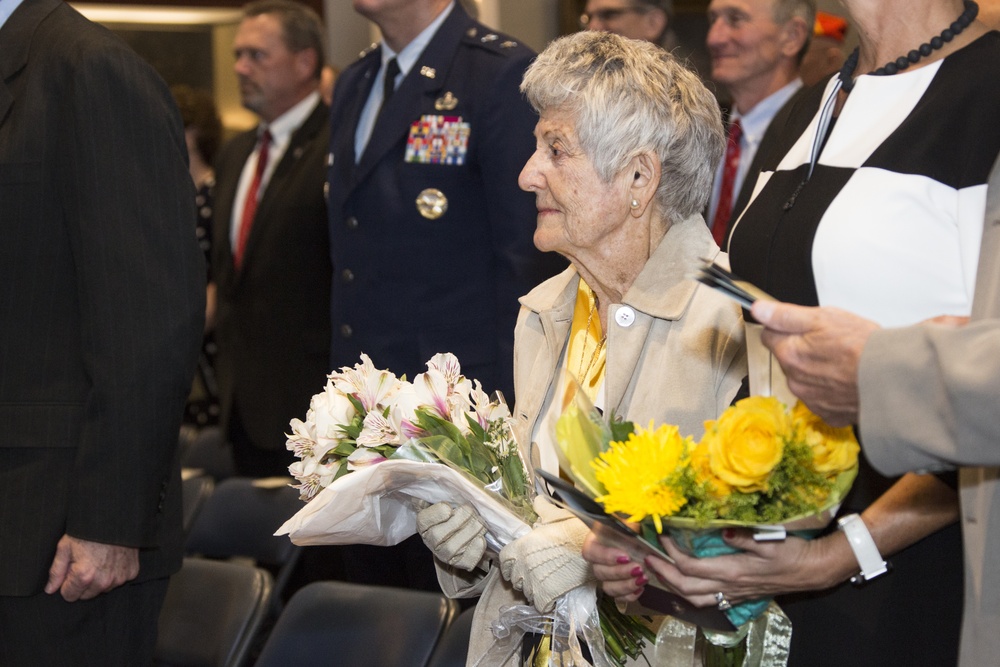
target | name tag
x=438, y=140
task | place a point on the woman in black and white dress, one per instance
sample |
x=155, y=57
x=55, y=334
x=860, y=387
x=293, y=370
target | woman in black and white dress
x=873, y=201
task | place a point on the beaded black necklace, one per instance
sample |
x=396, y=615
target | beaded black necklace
x=958, y=25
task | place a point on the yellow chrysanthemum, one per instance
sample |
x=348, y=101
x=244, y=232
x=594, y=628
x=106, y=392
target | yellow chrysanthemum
x=746, y=442
x=834, y=449
x=636, y=474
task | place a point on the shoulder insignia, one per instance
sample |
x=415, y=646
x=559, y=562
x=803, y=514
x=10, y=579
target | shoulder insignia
x=492, y=37
x=368, y=50
x=508, y=44
x=471, y=32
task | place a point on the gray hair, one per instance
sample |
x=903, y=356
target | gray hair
x=628, y=97
x=785, y=10
x=302, y=27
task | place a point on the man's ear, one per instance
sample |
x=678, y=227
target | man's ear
x=794, y=34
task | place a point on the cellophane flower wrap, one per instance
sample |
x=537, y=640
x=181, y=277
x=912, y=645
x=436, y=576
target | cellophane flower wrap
x=370, y=452
x=759, y=466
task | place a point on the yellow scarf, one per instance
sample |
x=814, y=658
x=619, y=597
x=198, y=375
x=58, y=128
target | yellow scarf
x=587, y=353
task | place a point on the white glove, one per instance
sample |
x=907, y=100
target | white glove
x=455, y=535
x=546, y=563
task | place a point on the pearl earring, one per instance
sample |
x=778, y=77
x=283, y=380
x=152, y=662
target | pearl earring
x=634, y=204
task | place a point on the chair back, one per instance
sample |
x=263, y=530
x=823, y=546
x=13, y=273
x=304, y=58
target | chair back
x=195, y=492
x=239, y=520
x=453, y=649
x=209, y=452
x=336, y=623
x=211, y=614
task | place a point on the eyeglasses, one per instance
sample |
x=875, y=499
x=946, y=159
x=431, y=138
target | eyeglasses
x=607, y=15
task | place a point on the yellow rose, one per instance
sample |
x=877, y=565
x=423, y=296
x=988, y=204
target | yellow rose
x=834, y=449
x=746, y=442
x=701, y=464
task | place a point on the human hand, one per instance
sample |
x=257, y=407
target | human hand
x=620, y=573
x=819, y=350
x=546, y=563
x=762, y=569
x=455, y=535
x=82, y=570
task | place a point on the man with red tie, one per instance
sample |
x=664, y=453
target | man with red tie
x=271, y=245
x=756, y=47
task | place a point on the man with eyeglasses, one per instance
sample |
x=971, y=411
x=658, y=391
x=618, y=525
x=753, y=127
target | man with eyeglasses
x=635, y=19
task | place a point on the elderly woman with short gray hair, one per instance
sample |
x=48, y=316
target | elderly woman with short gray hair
x=627, y=140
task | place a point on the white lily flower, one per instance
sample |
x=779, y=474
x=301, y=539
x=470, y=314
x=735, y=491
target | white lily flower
x=378, y=431
x=302, y=439
x=313, y=477
x=447, y=364
x=361, y=458
x=371, y=386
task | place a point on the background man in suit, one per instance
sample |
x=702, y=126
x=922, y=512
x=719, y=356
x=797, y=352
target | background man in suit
x=271, y=252
x=756, y=47
x=431, y=246
x=635, y=19
x=100, y=325
x=925, y=399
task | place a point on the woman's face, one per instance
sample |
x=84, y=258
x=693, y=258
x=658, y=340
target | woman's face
x=577, y=210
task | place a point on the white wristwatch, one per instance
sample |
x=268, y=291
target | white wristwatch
x=871, y=561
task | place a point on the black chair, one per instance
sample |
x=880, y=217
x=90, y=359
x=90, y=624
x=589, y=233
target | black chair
x=209, y=452
x=453, y=648
x=211, y=614
x=195, y=492
x=336, y=623
x=238, y=521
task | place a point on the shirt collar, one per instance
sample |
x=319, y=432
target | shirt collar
x=407, y=57
x=755, y=122
x=7, y=8
x=283, y=126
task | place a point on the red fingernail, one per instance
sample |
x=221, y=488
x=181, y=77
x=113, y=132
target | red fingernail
x=641, y=581
x=729, y=533
x=636, y=571
x=622, y=560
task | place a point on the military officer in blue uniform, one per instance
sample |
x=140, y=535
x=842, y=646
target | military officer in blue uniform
x=430, y=236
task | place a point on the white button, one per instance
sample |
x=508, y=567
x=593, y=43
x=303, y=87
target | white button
x=624, y=316
x=329, y=159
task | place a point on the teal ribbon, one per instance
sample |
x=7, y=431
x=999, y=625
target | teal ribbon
x=708, y=544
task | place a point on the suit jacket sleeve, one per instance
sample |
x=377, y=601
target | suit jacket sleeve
x=929, y=393
x=129, y=207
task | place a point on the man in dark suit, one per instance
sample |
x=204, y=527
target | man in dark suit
x=100, y=324
x=431, y=236
x=756, y=47
x=272, y=264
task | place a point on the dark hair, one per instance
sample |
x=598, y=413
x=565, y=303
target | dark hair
x=302, y=27
x=199, y=114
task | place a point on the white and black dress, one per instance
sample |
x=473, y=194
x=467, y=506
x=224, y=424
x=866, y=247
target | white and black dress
x=880, y=211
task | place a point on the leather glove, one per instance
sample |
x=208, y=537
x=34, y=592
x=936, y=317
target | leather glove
x=546, y=563
x=455, y=535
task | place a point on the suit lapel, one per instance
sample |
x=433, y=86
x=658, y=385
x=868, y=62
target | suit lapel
x=415, y=94
x=15, y=41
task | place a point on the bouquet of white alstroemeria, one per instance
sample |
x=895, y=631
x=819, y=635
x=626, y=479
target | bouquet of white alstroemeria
x=367, y=416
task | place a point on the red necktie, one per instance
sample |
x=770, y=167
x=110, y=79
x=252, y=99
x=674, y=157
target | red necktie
x=250, y=204
x=725, y=206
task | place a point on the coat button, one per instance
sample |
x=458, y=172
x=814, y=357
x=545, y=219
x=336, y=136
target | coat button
x=351, y=222
x=347, y=276
x=624, y=316
x=346, y=331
